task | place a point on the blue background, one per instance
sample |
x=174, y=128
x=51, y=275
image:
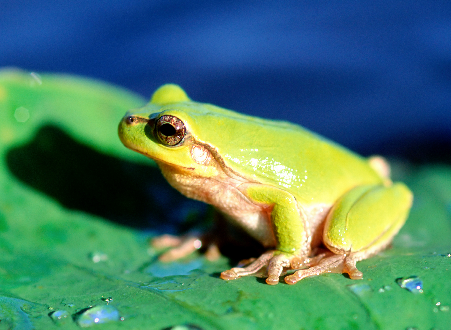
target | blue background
x=372, y=75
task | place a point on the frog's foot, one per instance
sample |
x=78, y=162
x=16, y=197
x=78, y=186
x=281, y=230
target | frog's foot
x=388, y=207
x=331, y=264
x=275, y=263
x=180, y=247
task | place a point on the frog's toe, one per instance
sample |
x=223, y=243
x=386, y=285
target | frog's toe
x=166, y=241
x=212, y=253
x=229, y=275
x=273, y=265
x=351, y=268
x=234, y=273
x=330, y=264
x=275, y=268
x=252, y=269
x=180, y=247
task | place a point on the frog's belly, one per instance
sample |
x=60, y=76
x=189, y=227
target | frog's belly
x=224, y=196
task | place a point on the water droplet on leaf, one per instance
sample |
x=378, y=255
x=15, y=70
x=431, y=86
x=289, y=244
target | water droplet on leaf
x=413, y=284
x=59, y=315
x=96, y=315
x=184, y=327
x=384, y=288
x=444, y=308
x=360, y=289
x=98, y=256
x=22, y=114
x=107, y=300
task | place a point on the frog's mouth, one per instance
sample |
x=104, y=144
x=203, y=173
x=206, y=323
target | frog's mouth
x=180, y=168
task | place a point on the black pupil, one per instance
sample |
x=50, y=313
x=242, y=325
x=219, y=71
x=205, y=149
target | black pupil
x=167, y=129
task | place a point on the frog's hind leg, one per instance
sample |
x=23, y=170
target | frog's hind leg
x=362, y=223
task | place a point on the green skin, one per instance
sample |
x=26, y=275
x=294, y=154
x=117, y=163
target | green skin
x=289, y=188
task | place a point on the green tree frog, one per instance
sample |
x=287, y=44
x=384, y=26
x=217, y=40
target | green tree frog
x=295, y=192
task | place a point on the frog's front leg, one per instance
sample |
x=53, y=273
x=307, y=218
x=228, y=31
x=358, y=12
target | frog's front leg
x=182, y=246
x=360, y=224
x=290, y=230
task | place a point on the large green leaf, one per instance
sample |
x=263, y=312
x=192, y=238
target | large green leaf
x=73, y=202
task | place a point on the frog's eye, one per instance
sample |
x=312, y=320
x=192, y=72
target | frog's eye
x=170, y=130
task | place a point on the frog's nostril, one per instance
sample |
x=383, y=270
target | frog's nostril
x=133, y=120
x=130, y=120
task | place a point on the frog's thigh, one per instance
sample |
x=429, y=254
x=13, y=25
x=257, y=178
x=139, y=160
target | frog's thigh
x=366, y=218
x=287, y=219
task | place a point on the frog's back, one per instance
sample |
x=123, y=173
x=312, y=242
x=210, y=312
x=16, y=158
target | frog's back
x=281, y=153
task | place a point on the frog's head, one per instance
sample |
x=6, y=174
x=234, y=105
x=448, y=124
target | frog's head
x=165, y=131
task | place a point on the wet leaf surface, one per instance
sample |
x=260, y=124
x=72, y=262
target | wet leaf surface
x=77, y=210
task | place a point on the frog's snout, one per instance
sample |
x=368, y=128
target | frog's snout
x=131, y=120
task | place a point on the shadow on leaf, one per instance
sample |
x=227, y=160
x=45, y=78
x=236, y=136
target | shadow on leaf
x=81, y=178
